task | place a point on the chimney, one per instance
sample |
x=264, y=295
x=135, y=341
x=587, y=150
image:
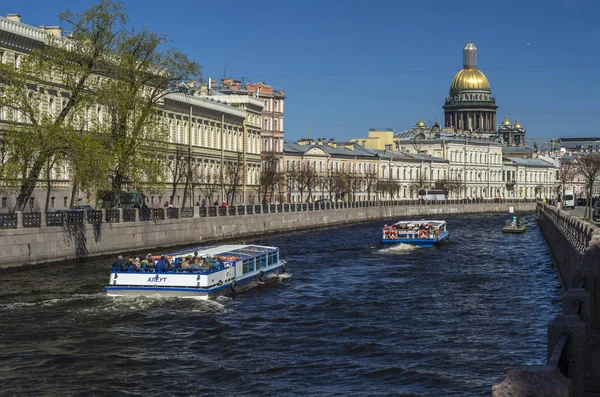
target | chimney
x=53, y=30
x=14, y=17
x=203, y=90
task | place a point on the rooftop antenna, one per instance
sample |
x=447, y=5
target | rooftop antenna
x=225, y=71
x=308, y=129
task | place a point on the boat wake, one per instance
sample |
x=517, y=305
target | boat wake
x=397, y=249
x=141, y=303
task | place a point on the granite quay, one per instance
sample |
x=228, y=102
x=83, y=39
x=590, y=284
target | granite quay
x=33, y=238
x=573, y=364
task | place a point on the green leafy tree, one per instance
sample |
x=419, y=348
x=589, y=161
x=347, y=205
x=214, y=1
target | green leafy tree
x=46, y=91
x=141, y=75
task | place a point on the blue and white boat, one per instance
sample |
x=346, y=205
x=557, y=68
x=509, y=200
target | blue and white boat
x=217, y=270
x=423, y=233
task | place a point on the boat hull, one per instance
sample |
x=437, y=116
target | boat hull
x=514, y=230
x=184, y=288
x=418, y=242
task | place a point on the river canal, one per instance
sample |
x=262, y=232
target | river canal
x=350, y=318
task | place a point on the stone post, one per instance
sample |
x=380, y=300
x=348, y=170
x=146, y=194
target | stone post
x=137, y=215
x=102, y=215
x=196, y=211
x=19, y=219
x=120, y=215
x=43, y=219
x=575, y=349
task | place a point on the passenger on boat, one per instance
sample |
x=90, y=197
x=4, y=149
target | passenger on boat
x=185, y=264
x=119, y=264
x=161, y=264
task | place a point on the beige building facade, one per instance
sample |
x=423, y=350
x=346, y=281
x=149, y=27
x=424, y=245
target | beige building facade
x=209, y=133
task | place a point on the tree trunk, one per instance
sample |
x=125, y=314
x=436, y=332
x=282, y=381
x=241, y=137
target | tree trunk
x=74, y=192
x=185, y=189
x=48, y=190
x=29, y=183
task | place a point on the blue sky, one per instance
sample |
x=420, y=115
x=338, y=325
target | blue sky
x=347, y=66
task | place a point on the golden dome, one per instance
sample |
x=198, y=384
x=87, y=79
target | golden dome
x=506, y=121
x=517, y=125
x=421, y=123
x=469, y=79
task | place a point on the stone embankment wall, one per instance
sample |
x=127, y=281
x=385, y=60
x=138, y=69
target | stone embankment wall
x=59, y=243
x=573, y=348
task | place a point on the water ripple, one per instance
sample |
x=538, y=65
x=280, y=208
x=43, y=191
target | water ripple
x=350, y=318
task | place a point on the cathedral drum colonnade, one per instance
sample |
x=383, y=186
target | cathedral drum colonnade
x=470, y=105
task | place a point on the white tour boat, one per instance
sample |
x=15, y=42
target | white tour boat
x=200, y=273
x=421, y=233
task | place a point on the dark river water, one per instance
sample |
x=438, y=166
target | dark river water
x=349, y=319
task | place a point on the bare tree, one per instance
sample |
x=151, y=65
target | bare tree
x=207, y=182
x=291, y=182
x=177, y=165
x=232, y=178
x=355, y=185
x=371, y=183
x=418, y=184
x=268, y=178
x=388, y=188
x=341, y=186
x=451, y=186
x=308, y=179
x=566, y=173
x=329, y=180
x=588, y=166
x=191, y=169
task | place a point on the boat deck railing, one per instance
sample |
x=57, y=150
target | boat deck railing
x=177, y=270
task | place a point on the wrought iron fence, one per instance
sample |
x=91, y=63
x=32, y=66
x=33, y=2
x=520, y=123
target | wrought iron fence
x=158, y=213
x=8, y=221
x=577, y=233
x=129, y=215
x=173, y=213
x=94, y=216
x=145, y=214
x=73, y=217
x=187, y=212
x=54, y=218
x=32, y=219
x=112, y=216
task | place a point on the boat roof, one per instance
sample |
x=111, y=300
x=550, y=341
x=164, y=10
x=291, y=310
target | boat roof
x=241, y=250
x=421, y=222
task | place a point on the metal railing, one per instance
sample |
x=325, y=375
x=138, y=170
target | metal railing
x=577, y=232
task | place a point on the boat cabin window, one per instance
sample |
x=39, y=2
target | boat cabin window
x=248, y=265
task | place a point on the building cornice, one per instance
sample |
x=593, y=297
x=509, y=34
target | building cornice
x=21, y=29
x=206, y=103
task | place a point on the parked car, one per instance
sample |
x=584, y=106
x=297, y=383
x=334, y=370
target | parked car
x=580, y=201
x=84, y=207
x=596, y=211
x=323, y=201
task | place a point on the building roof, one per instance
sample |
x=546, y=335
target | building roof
x=528, y=162
x=517, y=150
